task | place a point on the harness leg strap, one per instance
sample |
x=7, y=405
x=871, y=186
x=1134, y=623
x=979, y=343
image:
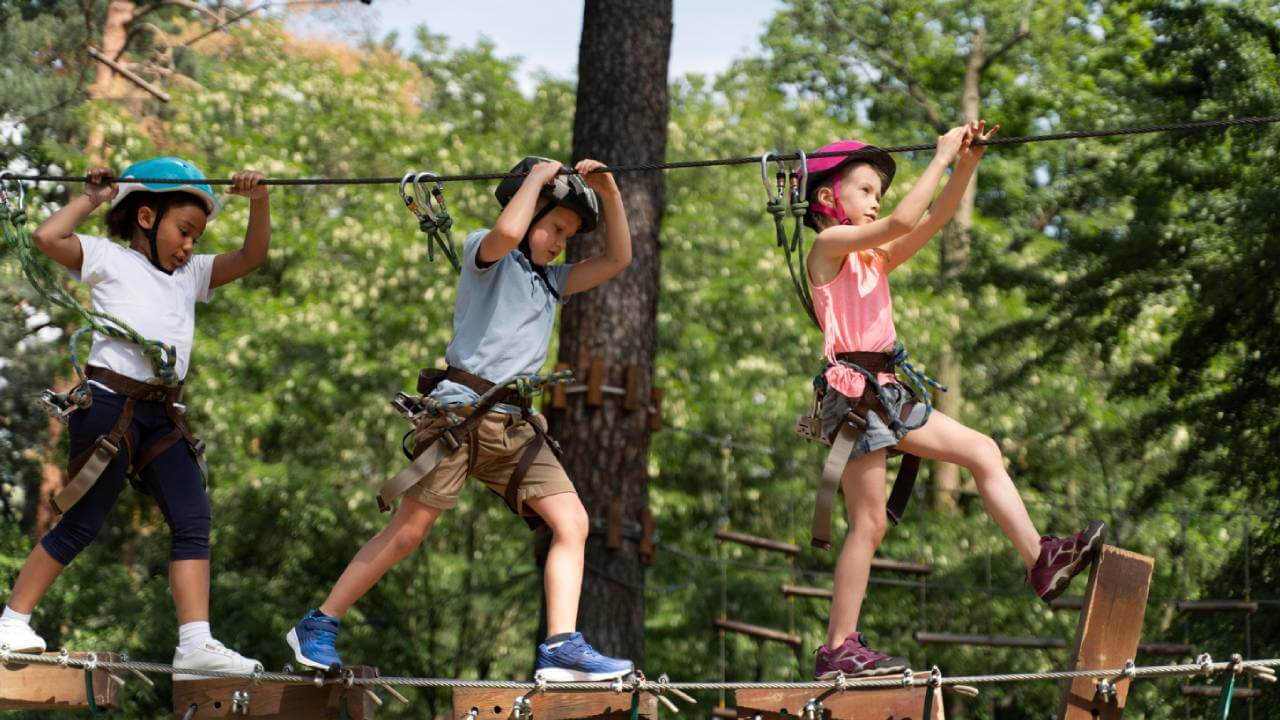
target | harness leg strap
x=903, y=483
x=837, y=458
x=905, y=480
x=86, y=471
x=422, y=465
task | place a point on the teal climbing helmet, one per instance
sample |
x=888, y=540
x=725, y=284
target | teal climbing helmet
x=188, y=179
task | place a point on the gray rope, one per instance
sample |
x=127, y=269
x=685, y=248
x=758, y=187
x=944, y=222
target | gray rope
x=743, y=160
x=1204, y=666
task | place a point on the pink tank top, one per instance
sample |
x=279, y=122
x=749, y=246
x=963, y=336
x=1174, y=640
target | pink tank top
x=856, y=315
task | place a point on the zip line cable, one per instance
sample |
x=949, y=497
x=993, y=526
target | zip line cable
x=742, y=160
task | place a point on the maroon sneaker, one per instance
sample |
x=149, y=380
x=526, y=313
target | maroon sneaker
x=854, y=658
x=1061, y=560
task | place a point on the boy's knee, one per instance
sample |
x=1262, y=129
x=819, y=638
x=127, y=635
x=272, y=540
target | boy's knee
x=406, y=538
x=571, y=525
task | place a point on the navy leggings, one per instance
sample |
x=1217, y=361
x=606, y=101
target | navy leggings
x=173, y=479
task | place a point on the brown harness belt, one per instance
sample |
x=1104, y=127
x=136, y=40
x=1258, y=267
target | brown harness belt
x=429, y=452
x=843, y=443
x=88, y=466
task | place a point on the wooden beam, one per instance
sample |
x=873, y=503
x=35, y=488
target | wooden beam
x=901, y=566
x=1157, y=648
x=897, y=704
x=1208, y=606
x=1213, y=691
x=633, y=401
x=939, y=638
x=239, y=697
x=648, y=549
x=789, y=590
x=755, y=541
x=496, y=705
x=1115, y=604
x=724, y=712
x=613, y=528
x=936, y=638
x=595, y=384
x=655, y=410
x=762, y=633
x=1184, y=606
x=792, y=549
x=51, y=687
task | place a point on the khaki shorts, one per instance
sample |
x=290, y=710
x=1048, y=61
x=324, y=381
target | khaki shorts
x=497, y=443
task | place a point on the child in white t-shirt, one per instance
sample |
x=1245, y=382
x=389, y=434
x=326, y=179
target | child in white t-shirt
x=133, y=426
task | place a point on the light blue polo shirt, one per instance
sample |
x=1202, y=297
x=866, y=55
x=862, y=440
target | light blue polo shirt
x=502, y=321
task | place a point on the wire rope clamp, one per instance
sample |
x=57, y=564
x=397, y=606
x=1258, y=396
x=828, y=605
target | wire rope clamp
x=240, y=702
x=813, y=710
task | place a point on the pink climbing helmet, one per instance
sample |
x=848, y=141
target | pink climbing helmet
x=822, y=168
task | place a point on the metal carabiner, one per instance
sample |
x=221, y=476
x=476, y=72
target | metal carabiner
x=764, y=177
x=408, y=198
x=423, y=195
x=802, y=170
x=22, y=193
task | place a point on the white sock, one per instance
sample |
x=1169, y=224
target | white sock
x=192, y=635
x=11, y=614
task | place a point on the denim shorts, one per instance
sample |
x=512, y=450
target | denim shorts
x=836, y=407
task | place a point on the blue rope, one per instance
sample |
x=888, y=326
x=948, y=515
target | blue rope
x=919, y=384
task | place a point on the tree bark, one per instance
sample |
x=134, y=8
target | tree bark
x=115, y=32
x=621, y=117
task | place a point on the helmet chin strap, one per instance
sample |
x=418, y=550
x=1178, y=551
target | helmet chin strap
x=151, y=236
x=526, y=248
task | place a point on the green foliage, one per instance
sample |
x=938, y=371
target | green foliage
x=1118, y=325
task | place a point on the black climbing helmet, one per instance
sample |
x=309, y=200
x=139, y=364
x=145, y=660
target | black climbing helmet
x=569, y=191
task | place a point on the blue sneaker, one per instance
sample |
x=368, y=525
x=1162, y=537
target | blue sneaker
x=315, y=641
x=576, y=661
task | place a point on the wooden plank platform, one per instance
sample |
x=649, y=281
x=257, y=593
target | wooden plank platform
x=239, y=697
x=496, y=705
x=895, y=704
x=1107, y=635
x=51, y=687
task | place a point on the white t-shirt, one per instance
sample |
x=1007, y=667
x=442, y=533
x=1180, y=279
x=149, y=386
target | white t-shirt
x=124, y=284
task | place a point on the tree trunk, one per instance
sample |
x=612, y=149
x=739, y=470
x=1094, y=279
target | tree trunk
x=954, y=264
x=621, y=117
x=114, y=33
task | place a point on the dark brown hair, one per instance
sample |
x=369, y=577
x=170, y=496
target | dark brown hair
x=123, y=217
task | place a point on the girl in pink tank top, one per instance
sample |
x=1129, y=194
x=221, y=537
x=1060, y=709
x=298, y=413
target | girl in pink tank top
x=867, y=413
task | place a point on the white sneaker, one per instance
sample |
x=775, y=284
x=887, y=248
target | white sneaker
x=212, y=655
x=20, y=637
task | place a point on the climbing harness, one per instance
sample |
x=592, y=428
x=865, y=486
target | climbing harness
x=462, y=419
x=786, y=196
x=85, y=468
x=433, y=217
x=873, y=399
